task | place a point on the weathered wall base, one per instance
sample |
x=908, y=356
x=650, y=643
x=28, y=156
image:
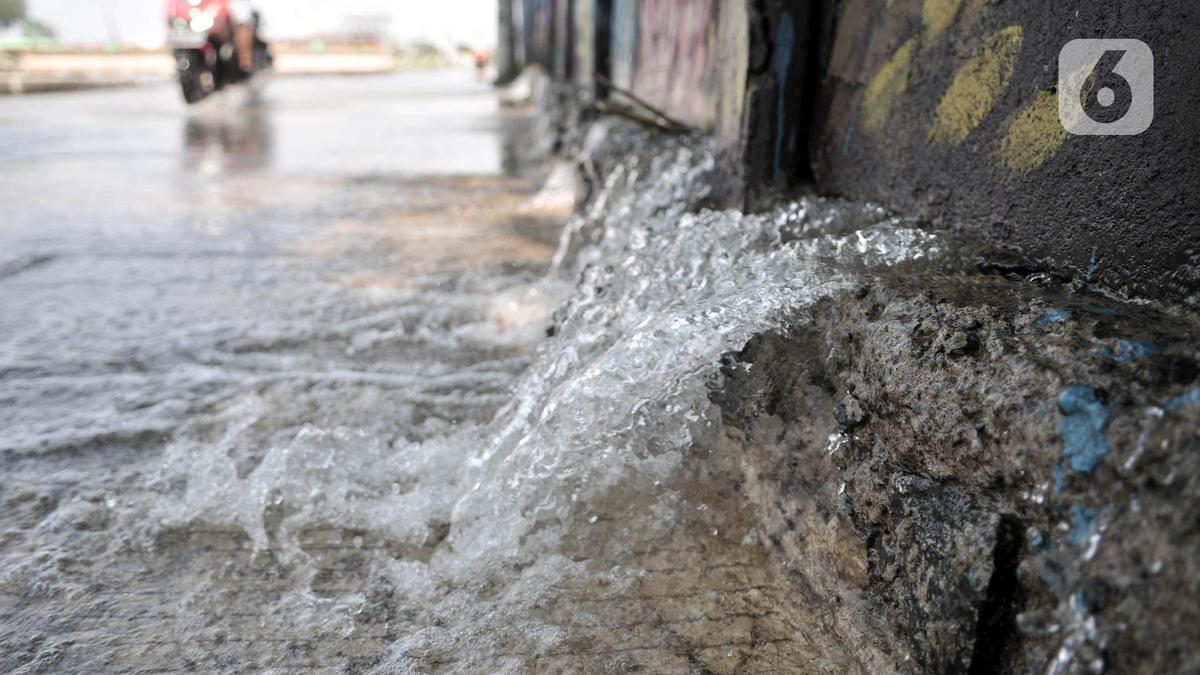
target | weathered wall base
x=961, y=469
x=980, y=475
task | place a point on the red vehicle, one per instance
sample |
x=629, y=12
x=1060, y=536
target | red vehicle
x=210, y=39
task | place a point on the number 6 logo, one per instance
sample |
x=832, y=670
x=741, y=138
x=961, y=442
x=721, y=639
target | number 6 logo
x=1106, y=87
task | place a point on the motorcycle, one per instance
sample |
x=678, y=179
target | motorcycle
x=201, y=36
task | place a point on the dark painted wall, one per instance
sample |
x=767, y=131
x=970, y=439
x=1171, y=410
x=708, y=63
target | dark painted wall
x=948, y=108
x=781, y=53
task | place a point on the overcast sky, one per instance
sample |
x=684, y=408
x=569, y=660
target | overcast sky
x=141, y=21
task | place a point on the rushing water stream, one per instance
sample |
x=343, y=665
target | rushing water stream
x=359, y=448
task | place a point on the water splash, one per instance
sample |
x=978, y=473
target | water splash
x=477, y=475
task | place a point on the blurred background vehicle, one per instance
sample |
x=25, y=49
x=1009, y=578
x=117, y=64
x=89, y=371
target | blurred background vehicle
x=215, y=43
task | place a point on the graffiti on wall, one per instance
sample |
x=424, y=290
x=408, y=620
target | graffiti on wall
x=539, y=20
x=674, y=67
x=663, y=50
x=585, y=23
x=624, y=37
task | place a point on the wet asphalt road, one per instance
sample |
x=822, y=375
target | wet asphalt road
x=184, y=290
x=135, y=228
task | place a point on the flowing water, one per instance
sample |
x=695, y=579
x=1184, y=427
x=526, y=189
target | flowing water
x=266, y=407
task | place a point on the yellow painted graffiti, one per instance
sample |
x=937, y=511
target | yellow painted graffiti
x=976, y=86
x=1034, y=136
x=936, y=16
x=888, y=85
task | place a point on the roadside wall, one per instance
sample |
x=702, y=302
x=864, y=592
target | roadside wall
x=943, y=108
x=949, y=109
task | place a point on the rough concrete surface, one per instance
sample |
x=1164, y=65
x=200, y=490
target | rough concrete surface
x=973, y=468
x=979, y=474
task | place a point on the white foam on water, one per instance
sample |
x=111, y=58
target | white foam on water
x=597, y=426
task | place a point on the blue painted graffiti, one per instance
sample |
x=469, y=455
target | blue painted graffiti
x=785, y=40
x=1051, y=318
x=1082, y=432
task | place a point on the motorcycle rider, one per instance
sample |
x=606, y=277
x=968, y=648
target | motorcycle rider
x=242, y=15
x=215, y=43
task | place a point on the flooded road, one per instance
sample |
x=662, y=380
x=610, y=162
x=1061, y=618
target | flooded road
x=354, y=260
x=143, y=244
x=291, y=383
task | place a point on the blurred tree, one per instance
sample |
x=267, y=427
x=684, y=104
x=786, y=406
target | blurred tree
x=11, y=11
x=38, y=29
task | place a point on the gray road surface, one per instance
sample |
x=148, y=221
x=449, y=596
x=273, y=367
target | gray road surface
x=333, y=254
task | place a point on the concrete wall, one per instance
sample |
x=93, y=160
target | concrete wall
x=943, y=108
x=675, y=64
x=674, y=54
x=777, y=96
x=948, y=108
x=623, y=38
